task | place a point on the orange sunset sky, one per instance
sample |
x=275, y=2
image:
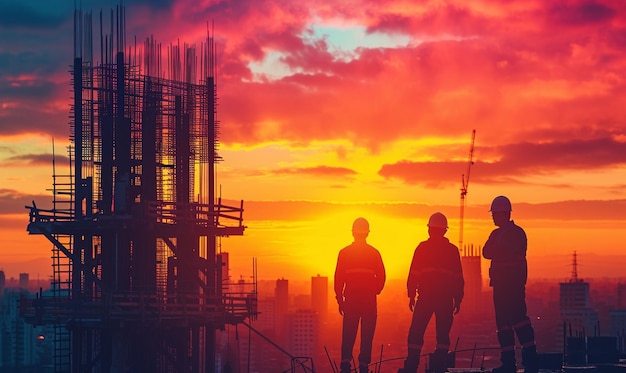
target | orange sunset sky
x=331, y=110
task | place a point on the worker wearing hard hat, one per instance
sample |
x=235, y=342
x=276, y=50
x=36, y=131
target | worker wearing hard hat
x=436, y=277
x=506, y=247
x=359, y=278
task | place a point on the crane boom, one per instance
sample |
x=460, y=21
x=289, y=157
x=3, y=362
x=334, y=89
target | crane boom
x=464, y=185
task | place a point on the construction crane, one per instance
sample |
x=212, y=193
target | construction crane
x=464, y=184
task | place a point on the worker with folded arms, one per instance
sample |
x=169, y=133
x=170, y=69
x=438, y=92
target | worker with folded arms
x=506, y=248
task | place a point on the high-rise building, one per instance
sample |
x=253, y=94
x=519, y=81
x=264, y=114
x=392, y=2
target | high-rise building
x=319, y=296
x=470, y=261
x=575, y=306
x=2, y=283
x=618, y=327
x=23, y=281
x=281, y=293
x=621, y=296
x=303, y=336
x=281, y=296
x=255, y=350
x=22, y=345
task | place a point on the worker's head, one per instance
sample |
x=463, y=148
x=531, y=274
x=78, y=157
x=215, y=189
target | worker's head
x=500, y=210
x=360, y=228
x=437, y=225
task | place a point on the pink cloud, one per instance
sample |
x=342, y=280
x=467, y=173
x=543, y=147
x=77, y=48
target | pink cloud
x=518, y=73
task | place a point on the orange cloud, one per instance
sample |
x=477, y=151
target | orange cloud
x=317, y=171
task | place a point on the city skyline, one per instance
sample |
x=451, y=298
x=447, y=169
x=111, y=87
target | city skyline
x=329, y=113
x=550, y=302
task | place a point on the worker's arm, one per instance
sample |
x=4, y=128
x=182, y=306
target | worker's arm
x=381, y=275
x=459, y=291
x=413, y=278
x=490, y=249
x=340, y=280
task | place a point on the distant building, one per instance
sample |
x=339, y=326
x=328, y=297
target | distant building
x=23, y=281
x=281, y=297
x=621, y=296
x=281, y=293
x=471, y=263
x=23, y=347
x=319, y=296
x=267, y=358
x=2, y=283
x=303, y=336
x=575, y=306
x=618, y=327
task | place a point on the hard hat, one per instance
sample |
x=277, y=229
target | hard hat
x=438, y=220
x=500, y=204
x=360, y=225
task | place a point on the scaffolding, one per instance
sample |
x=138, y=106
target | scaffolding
x=137, y=274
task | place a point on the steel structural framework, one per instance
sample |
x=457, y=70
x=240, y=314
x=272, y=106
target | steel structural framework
x=137, y=275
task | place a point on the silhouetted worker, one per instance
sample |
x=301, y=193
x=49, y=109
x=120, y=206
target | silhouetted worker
x=506, y=247
x=436, y=276
x=359, y=278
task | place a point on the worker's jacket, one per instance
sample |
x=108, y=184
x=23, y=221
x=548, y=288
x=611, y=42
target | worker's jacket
x=436, y=271
x=506, y=247
x=359, y=273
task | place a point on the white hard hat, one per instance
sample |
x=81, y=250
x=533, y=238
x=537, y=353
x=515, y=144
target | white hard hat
x=360, y=225
x=438, y=220
x=500, y=204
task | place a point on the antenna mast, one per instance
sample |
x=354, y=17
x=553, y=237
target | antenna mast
x=464, y=185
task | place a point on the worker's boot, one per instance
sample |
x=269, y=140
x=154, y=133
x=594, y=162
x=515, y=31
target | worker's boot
x=508, y=363
x=526, y=335
x=438, y=360
x=363, y=368
x=344, y=367
x=529, y=359
x=506, y=338
x=412, y=362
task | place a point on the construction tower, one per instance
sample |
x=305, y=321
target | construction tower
x=135, y=224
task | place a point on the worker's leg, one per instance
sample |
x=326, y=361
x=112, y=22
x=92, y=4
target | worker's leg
x=443, y=320
x=522, y=326
x=526, y=335
x=348, y=336
x=506, y=336
x=422, y=313
x=443, y=317
x=368, y=327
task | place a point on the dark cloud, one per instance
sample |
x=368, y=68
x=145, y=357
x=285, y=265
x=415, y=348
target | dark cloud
x=14, y=202
x=32, y=62
x=34, y=160
x=580, y=13
x=30, y=118
x=430, y=174
x=30, y=90
x=28, y=16
x=514, y=162
x=571, y=155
